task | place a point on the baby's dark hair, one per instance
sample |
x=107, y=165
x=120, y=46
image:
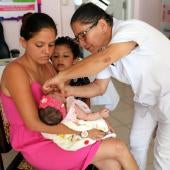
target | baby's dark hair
x=32, y=23
x=72, y=45
x=89, y=13
x=50, y=115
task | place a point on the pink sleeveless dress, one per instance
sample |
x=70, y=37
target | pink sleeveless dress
x=42, y=153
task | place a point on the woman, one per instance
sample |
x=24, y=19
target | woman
x=21, y=91
x=134, y=53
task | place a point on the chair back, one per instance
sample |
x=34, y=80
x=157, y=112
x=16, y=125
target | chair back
x=5, y=146
x=4, y=50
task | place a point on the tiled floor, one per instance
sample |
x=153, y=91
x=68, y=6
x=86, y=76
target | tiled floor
x=121, y=119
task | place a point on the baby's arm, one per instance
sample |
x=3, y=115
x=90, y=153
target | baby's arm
x=104, y=113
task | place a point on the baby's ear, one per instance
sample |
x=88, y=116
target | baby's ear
x=77, y=60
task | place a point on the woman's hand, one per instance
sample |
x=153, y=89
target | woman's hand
x=96, y=134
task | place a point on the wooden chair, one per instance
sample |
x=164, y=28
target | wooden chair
x=18, y=162
x=5, y=147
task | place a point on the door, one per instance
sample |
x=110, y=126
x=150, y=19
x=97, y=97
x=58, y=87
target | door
x=117, y=8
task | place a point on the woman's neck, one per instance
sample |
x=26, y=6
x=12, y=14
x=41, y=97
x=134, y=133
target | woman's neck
x=36, y=71
x=32, y=65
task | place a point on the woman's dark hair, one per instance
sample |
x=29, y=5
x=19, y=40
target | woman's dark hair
x=35, y=22
x=90, y=13
x=71, y=44
x=50, y=115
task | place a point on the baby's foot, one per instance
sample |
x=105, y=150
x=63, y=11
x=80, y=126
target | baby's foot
x=80, y=113
x=104, y=113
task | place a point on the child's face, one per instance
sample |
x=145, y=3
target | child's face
x=62, y=57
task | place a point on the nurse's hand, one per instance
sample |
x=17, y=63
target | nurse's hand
x=53, y=84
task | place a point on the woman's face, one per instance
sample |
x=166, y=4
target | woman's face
x=41, y=46
x=93, y=36
x=62, y=58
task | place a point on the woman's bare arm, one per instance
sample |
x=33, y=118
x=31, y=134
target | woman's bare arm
x=16, y=84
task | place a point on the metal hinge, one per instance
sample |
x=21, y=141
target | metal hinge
x=124, y=5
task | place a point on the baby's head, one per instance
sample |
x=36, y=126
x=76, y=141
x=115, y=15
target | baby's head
x=66, y=52
x=51, y=110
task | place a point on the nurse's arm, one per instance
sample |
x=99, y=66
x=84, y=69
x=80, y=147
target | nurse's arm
x=94, y=63
x=91, y=65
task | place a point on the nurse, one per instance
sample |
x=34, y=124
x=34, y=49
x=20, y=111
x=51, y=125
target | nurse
x=137, y=54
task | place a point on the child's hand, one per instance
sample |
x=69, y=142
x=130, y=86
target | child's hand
x=104, y=113
x=77, y=60
x=68, y=90
x=58, y=96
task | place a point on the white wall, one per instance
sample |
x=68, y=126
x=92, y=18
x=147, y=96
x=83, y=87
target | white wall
x=148, y=11
x=60, y=10
x=118, y=11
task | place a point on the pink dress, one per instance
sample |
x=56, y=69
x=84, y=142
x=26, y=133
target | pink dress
x=42, y=153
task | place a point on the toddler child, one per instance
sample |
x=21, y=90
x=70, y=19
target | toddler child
x=67, y=52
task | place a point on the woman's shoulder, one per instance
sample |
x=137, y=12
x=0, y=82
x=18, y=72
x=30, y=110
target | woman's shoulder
x=12, y=73
x=13, y=69
x=13, y=65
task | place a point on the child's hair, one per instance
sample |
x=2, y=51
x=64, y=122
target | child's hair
x=50, y=115
x=51, y=111
x=32, y=23
x=71, y=44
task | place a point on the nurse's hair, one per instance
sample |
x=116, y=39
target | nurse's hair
x=90, y=13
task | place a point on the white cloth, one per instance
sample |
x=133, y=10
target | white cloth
x=75, y=142
x=146, y=69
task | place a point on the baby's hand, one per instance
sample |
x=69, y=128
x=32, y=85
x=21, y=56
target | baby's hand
x=104, y=113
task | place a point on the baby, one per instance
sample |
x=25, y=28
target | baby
x=75, y=115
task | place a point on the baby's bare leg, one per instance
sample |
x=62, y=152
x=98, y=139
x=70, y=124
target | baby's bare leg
x=80, y=113
x=104, y=113
x=86, y=116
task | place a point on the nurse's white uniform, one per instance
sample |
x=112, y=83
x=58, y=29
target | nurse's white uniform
x=147, y=70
